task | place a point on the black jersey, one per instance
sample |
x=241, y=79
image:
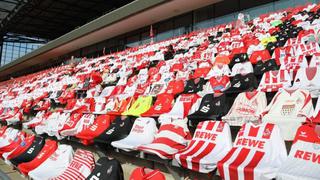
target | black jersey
x=194, y=85
x=241, y=83
x=118, y=129
x=239, y=58
x=211, y=107
x=30, y=153
x=106, y=169
x=264, y=66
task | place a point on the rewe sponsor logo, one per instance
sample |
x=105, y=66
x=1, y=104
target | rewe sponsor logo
x=206, y=135
x=308, y=156
x=250, y=143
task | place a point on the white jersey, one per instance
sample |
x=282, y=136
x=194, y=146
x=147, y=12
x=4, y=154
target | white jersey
x=43, y=127
x=303, y=161
x=85, y=120
x=210, y=143
x=171, y=138
x=9, y=135
x=242, y=68
x=308, y=79
x=246, y=108
x=54, y=126
x=258, y=152
x=143, y=132
x=55, y=165
x=288, y=109
x=181, y=108
x=219, y=70
x=275, y=80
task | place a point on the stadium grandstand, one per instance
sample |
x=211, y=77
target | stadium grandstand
x=160, y=89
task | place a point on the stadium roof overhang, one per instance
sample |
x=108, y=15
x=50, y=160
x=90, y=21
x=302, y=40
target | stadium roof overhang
x=125, y=19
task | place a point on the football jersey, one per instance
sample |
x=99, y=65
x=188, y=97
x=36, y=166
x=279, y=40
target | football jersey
x=120, y=106
x=308, y=79
x=264, y=66
x=254, y=155
x=210, y=143
x=163, y=104
x=55, y=165
x=289, y=109
x=13, y=144
x=101, y=123
x=175, y=87
x=274, y=80
x=23, y=146
x=304, y=157
x=201, y=72
x=48, y=149
x=79, y=168
x=142, y=173
x=194, y=85
x=211, y=107
x=260, y=55
x=217, y=84
x=246, y=108
x=293, y=63
x=156, y=88
x=106, y=168
x=30, y=153
x=240, y=83
x=219, y=70
x=239, y=58
x=170, y=139
x=8, y=136
x=181, y=108
x=118, y=129
x=73, y=124
x=242, y=68
x=143, y=132
x=141, y=105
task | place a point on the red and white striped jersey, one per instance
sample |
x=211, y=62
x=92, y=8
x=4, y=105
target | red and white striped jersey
x=210, y=143
x=293, y=63
x=80, y=167
x=282, y=52
x=288, y=109
x=170, y=139
x=77, y=126
x=308, y=49
x=254, y=155
x=246, y=108
x=274, y=80
x=303, y=161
